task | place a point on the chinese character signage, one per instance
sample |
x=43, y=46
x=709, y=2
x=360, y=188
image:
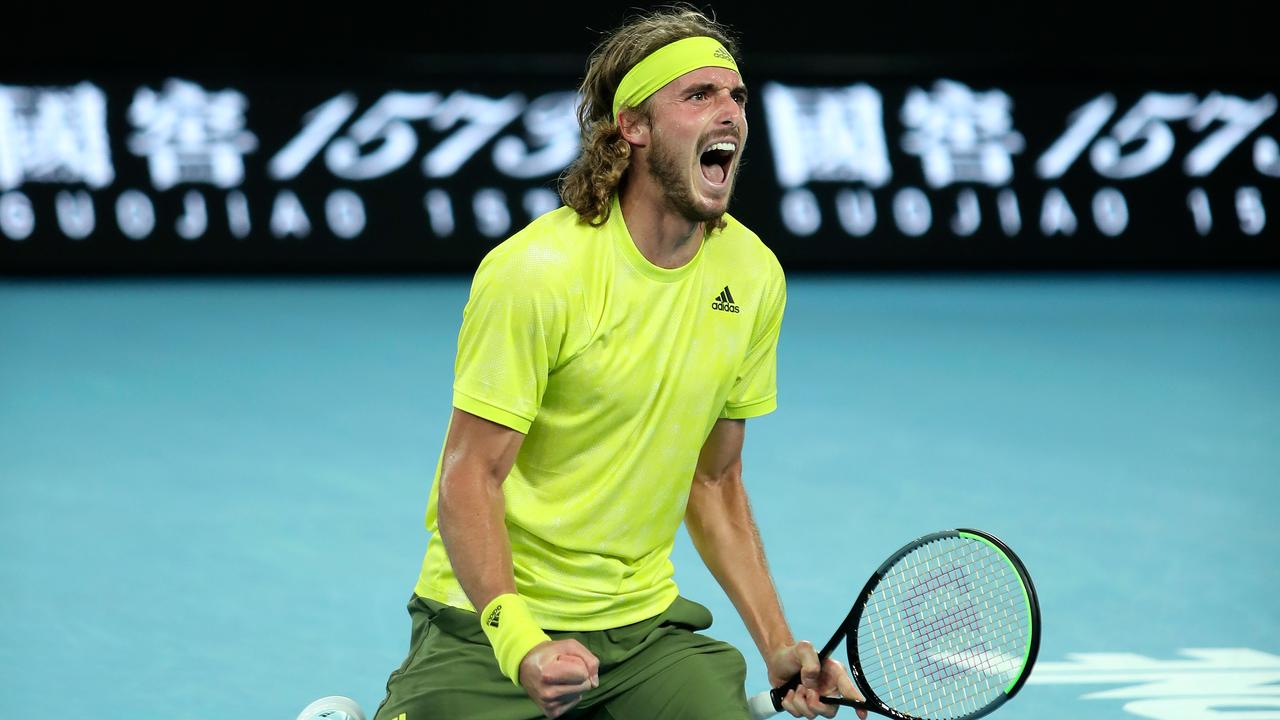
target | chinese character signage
x=297, y=174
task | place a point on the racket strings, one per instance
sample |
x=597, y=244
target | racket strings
x=943, y=647
x=916, y=675
x=944, y=632
x=927, y=662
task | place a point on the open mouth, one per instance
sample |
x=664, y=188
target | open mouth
x=716, y=159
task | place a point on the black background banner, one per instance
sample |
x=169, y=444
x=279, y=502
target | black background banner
x=398, y=160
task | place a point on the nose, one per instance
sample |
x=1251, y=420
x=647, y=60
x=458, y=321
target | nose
x=728, y=111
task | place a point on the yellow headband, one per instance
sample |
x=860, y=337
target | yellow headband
x=666, y=64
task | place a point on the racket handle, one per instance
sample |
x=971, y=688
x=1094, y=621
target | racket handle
x=769, y=703
x=762, y=706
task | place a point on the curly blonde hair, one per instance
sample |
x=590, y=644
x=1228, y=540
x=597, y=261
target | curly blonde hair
x=590, y=181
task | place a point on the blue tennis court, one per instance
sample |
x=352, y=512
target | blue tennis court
x=211, y=491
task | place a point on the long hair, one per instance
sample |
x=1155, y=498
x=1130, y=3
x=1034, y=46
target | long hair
x=589, y=183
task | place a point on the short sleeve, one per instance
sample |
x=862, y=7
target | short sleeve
x=512, y=330
x=755, y=389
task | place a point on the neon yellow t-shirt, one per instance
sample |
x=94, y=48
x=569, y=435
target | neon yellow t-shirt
x=616, y=370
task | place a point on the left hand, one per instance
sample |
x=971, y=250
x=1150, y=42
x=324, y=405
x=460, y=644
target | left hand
x=815, y=681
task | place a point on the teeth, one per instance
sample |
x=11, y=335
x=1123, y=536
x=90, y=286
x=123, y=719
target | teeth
x=727, y=146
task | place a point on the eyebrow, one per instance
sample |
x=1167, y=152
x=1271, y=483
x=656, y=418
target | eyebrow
x=739, y=89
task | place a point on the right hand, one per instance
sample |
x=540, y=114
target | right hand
x=557, y=673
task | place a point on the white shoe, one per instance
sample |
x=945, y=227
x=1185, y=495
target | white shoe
x=333, y=707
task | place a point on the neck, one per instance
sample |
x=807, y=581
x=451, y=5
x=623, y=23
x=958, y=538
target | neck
x=663, y=236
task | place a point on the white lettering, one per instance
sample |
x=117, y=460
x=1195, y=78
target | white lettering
x=17, y=219
x=1145, y=129
x=968, y=215
x=481, y=119
x=439, y=212
x=320, y=125
x=1085, y=124
x=493, y=219
x=288, y=217
x=1010, y=213
x=135, y=214
x=1110, y=211
x=1198, y=202
x=1250, y=210
x=345, y=213
x=552, y=125
x=1266, y=156
x=238, y=214
x=1239, y=119
x=912, y=212
x=800, y=212
x=383, y=127
x=75, y=214
x=195, y=216
x=1056, y=216
x=856, y=210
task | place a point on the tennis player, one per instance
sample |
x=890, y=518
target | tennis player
x=609, y=356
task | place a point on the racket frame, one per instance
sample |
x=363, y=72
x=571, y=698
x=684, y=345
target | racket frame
x=848, y=631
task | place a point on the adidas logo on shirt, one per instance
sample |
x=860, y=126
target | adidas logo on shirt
x=724, y=301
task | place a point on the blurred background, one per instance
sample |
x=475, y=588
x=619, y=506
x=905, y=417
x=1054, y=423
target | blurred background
x=1031, y=252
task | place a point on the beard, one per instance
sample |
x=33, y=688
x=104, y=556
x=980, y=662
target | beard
x=666, y=168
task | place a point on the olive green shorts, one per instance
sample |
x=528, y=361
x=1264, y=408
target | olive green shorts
x=657, y=669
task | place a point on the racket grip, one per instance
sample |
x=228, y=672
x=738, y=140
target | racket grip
x=762, y=706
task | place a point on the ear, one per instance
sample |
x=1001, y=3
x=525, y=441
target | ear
x=634, y=127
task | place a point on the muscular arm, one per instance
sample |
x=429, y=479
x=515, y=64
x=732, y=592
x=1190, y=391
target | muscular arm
x=724, y=532
x=478, y=455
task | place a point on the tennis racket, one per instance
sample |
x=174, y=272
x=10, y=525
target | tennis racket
x=946, y=629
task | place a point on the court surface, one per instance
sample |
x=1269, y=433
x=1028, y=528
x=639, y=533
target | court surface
x=211, y=491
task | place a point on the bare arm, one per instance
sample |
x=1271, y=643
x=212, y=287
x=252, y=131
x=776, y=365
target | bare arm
x=478, y=456
x=724, y=531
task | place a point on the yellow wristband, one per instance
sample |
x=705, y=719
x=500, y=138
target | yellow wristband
x=512, y=632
